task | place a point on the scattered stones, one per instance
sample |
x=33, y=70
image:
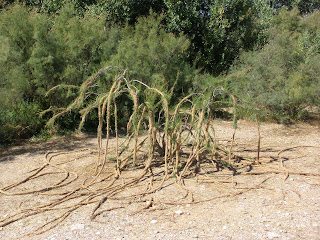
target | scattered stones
x=243, y=217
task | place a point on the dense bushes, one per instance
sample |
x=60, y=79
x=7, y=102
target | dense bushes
x=19, y=121
x=189, y=47
x=154, y=56
x=39, y=52
x=282, y=79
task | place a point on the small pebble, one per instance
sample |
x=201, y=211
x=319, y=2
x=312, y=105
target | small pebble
x=179, y=212
x=272, y=235
x=98, y=233
x=154, y=221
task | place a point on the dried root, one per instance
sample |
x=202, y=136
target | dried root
x=176, y=145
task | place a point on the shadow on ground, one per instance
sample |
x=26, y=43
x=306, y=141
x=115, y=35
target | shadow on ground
x=59, y=144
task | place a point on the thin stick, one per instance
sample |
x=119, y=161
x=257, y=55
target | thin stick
x=230, y=149
x=117, y=138
x=259, y=137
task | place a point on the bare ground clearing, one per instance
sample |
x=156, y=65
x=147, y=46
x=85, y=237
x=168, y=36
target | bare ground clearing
x=282, y=207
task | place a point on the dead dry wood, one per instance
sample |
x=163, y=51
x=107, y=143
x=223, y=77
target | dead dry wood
x=175, y=145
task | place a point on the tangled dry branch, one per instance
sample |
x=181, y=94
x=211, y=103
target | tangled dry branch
x=174, y=146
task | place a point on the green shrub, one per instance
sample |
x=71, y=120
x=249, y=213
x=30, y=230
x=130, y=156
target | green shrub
x=20, y=121
x=154, y=56
x=39, y=52
x=283, y=78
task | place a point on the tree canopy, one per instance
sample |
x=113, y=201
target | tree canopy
x=265, y=52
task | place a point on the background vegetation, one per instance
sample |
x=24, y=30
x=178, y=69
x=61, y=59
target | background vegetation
x=267, y=53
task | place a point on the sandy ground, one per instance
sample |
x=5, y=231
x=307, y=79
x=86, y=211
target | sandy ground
x=282, y=207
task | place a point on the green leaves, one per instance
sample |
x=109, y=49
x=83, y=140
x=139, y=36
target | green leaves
x=152, y=55
x=62, y=43
x=127, y=11
x=39, y=52
x=282, y=78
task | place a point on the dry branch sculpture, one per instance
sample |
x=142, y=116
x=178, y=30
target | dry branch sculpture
x=177, y=148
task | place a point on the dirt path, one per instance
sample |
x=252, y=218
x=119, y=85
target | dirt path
x=283, y=207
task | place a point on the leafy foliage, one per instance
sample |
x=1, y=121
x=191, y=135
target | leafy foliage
x=282, y=78
x=304, y=6
x=154, y=56
x=39, y=52
x=128, y=11
x=61, y=44
x=213, y=44
x=219, y=29
x=16, y=41
x=51, y=7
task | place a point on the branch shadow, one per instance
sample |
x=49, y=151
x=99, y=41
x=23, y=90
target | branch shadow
x=66, y=143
